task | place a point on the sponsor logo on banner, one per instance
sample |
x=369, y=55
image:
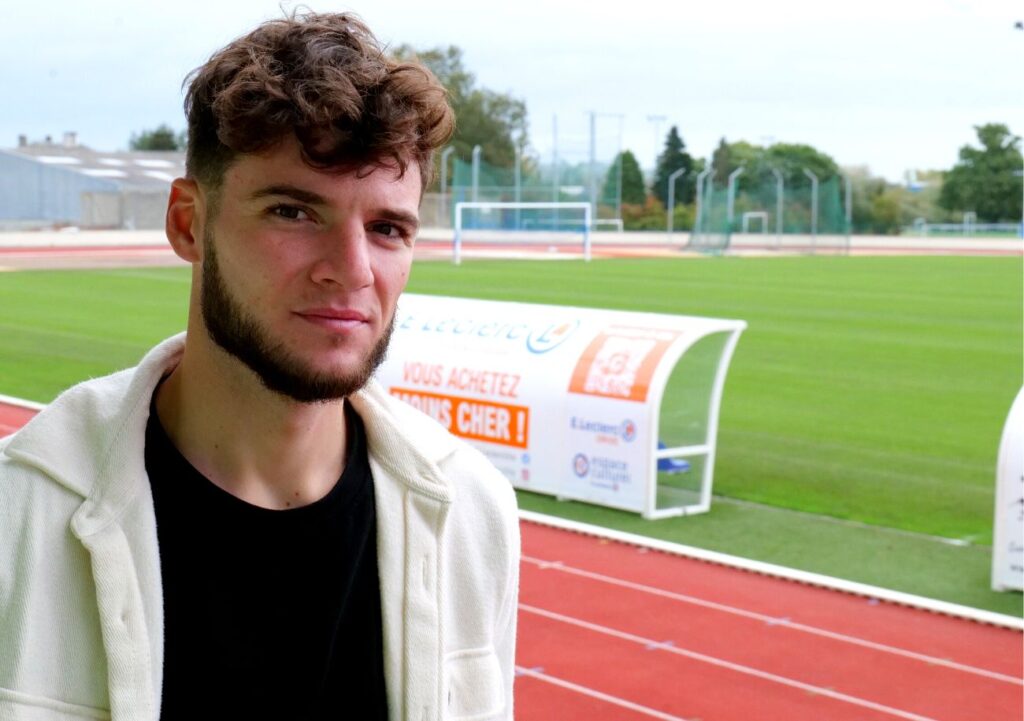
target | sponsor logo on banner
x=609, y=472
x=620, y=362
x=537, y=338
x=580, y=465
x=602, y=472
x=607, y=433
x=478, y=420
x=551, y=337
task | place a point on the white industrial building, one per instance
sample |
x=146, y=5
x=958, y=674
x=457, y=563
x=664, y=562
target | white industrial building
x=56, y=184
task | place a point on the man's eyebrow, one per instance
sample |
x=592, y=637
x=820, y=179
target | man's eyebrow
x=311, y=198
x=291, y=191
x=399, y=216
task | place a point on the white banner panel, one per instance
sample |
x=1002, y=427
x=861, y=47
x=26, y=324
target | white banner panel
x=562, y=400
x=1008, y=535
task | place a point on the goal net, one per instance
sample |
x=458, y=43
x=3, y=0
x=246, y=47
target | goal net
x=490, y=224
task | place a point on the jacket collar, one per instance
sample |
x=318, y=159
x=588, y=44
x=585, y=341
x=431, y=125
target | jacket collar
x=91, y=439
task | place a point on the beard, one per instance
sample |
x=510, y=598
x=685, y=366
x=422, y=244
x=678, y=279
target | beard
x=279, y=370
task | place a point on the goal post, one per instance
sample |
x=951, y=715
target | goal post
x=755, y=215
x=486, y=206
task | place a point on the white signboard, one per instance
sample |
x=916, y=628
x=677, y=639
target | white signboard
x=1008, y=540
x=562, y=400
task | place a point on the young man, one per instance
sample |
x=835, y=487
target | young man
x=245, y=525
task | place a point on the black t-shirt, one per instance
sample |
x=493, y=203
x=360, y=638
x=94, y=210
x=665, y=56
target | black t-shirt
x=268, y=614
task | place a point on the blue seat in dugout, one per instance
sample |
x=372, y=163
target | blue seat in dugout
x=671, y=465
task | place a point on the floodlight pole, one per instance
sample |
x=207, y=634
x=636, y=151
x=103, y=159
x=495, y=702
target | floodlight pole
x=444, y=182
x=814, y=208
x=730, y=204
x=779, y=189
x=554, y=158
x=618, y=187
x=970, y=217
x=519, y=183
x=593, y=161
x=849, y=210
x=554, y=168
x=657, y=120
x=475, y=195
x=700, y=203
x=672, y=199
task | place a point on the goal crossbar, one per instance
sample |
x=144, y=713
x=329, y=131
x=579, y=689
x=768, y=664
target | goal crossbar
x=483, y=205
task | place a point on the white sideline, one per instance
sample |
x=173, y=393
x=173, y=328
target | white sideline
x=646, y=710
x=721, y=663
x=21, y=402
x=770, y=569
x=774, y=621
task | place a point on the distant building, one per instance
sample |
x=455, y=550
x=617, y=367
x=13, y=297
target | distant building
x=46, y=184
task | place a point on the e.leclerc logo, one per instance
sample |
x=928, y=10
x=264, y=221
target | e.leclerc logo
x=628, y=430
x=550, y=337
x=580, y=465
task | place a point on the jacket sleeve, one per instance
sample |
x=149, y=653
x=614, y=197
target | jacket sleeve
x=505, y=628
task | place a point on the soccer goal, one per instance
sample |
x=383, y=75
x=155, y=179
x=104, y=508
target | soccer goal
x=507, y=223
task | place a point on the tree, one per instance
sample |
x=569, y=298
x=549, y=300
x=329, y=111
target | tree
x=161, y=138
x=757, y=163
x=722, y=162
x=674, y=157
x=633, y=191
x=494, y=121
x=987, y=180
x=792, y=158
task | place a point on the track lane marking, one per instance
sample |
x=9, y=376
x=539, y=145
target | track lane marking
x=747, y=670
x=774, y=621
x=646, y=710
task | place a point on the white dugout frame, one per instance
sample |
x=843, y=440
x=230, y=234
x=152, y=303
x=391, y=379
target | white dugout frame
x=573, y=427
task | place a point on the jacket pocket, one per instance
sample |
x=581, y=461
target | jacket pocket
x=474, y=687
x=18, y=706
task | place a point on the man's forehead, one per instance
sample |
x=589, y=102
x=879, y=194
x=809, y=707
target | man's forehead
x=256, y=174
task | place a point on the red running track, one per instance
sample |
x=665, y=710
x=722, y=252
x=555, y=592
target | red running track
x=609, y=631
x=614, y=631
x=13, y=417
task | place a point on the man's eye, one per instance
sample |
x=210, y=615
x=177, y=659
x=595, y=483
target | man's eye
x=289, y=212
x=389, y=230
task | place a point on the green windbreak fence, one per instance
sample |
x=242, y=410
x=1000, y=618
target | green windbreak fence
x=790, y=216
x=490, y=183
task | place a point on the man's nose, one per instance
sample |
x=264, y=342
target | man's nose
x=345, y=259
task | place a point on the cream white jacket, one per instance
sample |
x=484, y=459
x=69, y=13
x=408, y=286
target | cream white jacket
x=81, y=604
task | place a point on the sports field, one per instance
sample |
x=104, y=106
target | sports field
x=867, y=395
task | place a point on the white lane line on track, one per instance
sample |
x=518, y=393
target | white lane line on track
x=654, y=713
x=774, y=621
x=783, y=680
x=89, y=253
x=20, y=403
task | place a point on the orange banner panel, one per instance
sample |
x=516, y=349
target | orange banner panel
x=620, y=362
x=479, y=420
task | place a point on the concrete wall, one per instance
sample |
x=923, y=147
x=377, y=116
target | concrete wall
x=128, y=209
x=30, y=190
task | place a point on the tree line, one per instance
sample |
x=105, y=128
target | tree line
x=986, y=180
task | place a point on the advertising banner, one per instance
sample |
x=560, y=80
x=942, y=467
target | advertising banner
x=1008, y=535
x=562, y=400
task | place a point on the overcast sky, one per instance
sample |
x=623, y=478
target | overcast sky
x=891, y=84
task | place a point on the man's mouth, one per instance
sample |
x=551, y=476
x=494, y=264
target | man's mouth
x=338, y=319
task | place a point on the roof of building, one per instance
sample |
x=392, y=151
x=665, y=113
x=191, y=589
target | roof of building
x=139, y=169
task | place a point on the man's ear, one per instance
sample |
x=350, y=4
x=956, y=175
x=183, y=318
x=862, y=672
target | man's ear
x=186, y=216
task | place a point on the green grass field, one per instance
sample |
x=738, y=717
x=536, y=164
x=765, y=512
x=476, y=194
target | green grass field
x=865, y=390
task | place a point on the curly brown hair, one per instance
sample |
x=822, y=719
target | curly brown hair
x=325, y=79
